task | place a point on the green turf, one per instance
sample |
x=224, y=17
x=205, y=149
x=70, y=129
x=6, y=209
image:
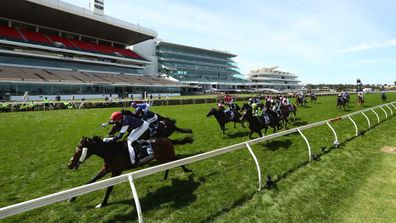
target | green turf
x=353, y=183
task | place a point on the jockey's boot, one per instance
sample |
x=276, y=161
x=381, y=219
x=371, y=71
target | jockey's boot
x=138, y=151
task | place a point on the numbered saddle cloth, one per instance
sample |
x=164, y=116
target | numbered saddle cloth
x=264, y=119
x=144, y=153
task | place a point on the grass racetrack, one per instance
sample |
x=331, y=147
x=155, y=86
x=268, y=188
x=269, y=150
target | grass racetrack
x=353, y=183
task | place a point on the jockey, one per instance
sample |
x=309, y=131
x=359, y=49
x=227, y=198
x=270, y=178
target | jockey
x=228, y=100
x=228, y=112
x=134, y=126
x=143, y=110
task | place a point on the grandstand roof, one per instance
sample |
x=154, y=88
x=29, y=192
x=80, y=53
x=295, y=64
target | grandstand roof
x=63, y=16
x=196, y=48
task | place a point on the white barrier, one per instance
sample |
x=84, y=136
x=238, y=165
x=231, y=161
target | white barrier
x=64, y=195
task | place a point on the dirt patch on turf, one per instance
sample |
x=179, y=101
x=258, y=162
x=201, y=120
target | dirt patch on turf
x=389, y=149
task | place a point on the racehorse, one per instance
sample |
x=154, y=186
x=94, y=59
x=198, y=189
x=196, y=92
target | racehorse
x=222, y=118
x=346, y=98
x=341, y=102
x=165, y=126
x=360, y=100
x=255, y=125
x=117, y=159
x=301, y=100
x=314, y=98
x=286, y=111
x=383, y=97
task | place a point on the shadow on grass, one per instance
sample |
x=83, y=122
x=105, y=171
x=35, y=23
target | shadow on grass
x=298, y=122
x=277, y=144
x=238, y=134
x=179, y=194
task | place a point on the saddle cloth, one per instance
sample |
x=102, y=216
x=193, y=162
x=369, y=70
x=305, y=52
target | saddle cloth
x=143, y=155
x=264, y=119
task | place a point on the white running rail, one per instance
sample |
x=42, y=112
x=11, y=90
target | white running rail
x=130, y=177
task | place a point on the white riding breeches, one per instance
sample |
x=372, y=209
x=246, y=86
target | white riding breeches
x=135, y=134
x=153, y=119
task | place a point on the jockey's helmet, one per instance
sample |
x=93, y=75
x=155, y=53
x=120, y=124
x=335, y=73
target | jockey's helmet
x=116, y=116
x=134, y=105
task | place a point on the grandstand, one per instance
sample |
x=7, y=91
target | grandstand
x=272, y=79
x=49, y=47
x=204, y=69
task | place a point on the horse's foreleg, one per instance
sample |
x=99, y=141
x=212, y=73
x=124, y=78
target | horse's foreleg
x=166, y=174
x=235, y=124
x=108, y=191
x=265, y=131
x=250, y=135
x=99, y=175
x=106, y=197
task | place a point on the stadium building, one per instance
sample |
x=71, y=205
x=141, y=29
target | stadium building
x=271, y=79
x=204, y=70
x=49, y=47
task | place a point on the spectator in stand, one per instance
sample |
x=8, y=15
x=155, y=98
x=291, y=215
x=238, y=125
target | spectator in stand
x=25, y=96
x=57, y=98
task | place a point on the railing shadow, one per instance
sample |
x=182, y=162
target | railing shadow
x=178, y=195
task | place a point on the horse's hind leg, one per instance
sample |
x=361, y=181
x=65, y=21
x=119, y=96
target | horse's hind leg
x=99, y=175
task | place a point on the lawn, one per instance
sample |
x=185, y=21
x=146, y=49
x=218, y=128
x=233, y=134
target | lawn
x=352, y=183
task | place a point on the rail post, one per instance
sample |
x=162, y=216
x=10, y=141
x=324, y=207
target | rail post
x=368, y=120
x=354, y=123
x=393, y=105
x=386, y=114
x=306, y=141
x=257, y=165
x=136, y=198
x=335, y=143
x=389, y=109
x=376, y=114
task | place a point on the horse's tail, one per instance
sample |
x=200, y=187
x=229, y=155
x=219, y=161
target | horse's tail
x=185, y=140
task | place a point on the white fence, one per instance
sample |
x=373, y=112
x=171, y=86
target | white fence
x=387, y=109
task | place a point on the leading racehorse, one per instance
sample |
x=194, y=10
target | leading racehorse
x=117, y=159
x=164, y=128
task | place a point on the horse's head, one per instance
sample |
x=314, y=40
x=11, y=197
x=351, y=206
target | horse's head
x=80, y=154
x=211, y=112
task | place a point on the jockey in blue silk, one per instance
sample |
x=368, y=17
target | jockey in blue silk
x=134, y=126
x=144, y=110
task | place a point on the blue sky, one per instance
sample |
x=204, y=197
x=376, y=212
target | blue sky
x=322, y=41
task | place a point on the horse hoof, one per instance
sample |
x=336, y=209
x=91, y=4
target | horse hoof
x=99, y=206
